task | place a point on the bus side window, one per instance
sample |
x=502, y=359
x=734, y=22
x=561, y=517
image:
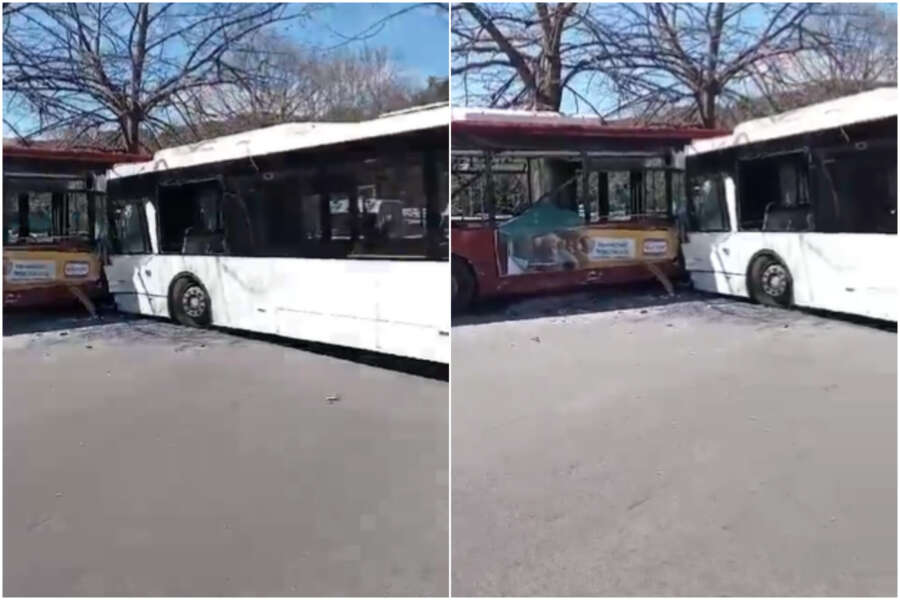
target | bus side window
x=394, y=218
x=190, y=219
x=707, y=208
x=859, y=192
x=619, y=194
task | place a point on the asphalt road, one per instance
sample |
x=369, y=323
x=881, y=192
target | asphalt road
x=142, y=458
x=607, y=445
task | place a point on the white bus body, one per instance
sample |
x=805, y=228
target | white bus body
x=839, y=248
x=392, y=299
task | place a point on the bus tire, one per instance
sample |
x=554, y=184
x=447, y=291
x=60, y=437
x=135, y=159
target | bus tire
x=463, y=285
x=770, y=282
x=191, y=304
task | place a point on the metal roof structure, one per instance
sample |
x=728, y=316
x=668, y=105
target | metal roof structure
x=487, y=121
x=868, y=106
x=50, y=152
x=285, y=138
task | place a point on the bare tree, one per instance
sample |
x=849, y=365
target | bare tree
x=86, y=67
x=283, y=81
x=696, y=56
x=665, y=61
x=860, y=53
x=523, y=55
x=436, y=90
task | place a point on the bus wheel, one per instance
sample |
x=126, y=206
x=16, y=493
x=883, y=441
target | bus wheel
x=190, y=303
x=770, y=282
x=463, y=286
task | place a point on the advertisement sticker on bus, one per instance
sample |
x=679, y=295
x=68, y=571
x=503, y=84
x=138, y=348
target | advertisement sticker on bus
x=21, y=271
x=655, y=247
x=606, y=248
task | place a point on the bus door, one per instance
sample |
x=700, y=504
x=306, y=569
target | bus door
x=707, y=223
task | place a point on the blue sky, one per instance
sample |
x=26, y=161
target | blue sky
x=418, y=39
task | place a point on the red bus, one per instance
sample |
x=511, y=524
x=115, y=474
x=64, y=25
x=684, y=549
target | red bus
x=53, y=216
x=543, y=202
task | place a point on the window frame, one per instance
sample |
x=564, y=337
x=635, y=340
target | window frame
x=771, y=152
x=720, y=179
x=116, y=242
x=835, y=152
x=174, y=182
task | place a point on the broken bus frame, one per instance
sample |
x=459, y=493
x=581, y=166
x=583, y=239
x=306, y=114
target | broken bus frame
x=607, y=217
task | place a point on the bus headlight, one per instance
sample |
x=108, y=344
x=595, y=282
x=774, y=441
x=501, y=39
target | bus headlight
x=77, y=268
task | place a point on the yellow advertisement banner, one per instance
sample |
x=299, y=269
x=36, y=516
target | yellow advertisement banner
x=28, y=269
x=585, y=247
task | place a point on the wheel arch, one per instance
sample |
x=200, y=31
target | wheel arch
x=468, y=265
x=767, y=253
x=178, y=277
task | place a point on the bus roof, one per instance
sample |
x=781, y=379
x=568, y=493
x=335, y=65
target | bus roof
x=284, y=138
x=873, y=105
x=54, y=151
x=501, y=122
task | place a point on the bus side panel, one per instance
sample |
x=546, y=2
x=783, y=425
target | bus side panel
x=161, y=270
x=329, y=301
x=717, y=262
x=396, y=307
x=326, y=301
x=414, y=310
x=476, y=244
x=851, y=273
x=133, y=286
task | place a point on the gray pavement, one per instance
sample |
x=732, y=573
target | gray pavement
x=692, y=446
x=141, y=458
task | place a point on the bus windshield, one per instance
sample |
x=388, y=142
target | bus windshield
x=48, y=211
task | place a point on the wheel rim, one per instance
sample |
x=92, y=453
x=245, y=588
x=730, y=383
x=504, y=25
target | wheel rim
x=775, y=280
x=194, y=301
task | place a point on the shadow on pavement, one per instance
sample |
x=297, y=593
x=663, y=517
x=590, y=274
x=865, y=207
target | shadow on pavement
x=853, y=319
x=646, y=296
x=411, y=366
x=113, y=325
x=47, y=320
x=596, y=300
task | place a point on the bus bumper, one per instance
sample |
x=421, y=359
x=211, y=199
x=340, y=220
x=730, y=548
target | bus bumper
x=56, y=295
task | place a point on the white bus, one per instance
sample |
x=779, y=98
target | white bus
x=800, y=208
x=263, y=231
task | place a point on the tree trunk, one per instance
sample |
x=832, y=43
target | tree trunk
x=708, y=114
x=132, y=133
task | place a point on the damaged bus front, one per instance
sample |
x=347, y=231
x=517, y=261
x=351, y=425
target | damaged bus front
x=51, y=201
x=800, y=208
